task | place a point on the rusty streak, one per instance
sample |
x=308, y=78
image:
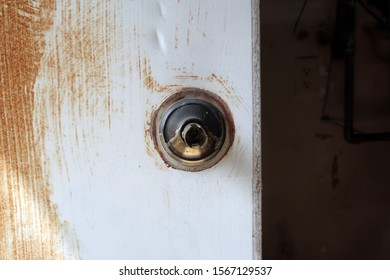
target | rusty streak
x=29, y=226
x=192, y=77
x=221, y=81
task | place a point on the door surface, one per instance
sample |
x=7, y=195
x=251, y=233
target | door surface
x=80, y=176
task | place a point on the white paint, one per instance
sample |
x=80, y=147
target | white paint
x=161, y=41
x=120, y=202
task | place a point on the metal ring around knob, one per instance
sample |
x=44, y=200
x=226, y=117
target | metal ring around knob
x=193, y=129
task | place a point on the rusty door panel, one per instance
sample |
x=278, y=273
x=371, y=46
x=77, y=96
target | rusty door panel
x=29, y=225
x=80, y=175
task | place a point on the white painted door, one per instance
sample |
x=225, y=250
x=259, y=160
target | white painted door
x=100, y=188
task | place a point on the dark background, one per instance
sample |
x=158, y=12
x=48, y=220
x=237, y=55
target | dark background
x=323, y=198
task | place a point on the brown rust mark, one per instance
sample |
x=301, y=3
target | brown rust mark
x=149, y=145
x=147, y=138
x=74, y=70
x=147, y=77
x=150, y=82
x=29, y=225
x=222, y=81
x=149, y=150
x=189, y=76
x=139, y=64
x=229, y=90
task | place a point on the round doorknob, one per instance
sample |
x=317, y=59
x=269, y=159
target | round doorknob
x=193, y=129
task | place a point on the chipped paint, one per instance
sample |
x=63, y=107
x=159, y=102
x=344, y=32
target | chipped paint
x=29, y=225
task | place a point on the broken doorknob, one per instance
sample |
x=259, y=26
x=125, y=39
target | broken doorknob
x=194, y=129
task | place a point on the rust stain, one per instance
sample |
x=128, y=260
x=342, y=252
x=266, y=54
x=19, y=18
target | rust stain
x=185, y=77
x=75, y=82
x=223, y=82
x=150, y=82
x=149, y=144
x=29, y=225
x=149, y=150
x=148, y=79
x=147, y=138
x=236, y=100
x=139, y=64
x=148, y=147
x=74, y=69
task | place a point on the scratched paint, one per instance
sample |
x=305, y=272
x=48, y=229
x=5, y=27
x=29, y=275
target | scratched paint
x=105, y=67
x=29, y=226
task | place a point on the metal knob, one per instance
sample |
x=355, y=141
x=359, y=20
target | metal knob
x=194, y=136
x=192, y=129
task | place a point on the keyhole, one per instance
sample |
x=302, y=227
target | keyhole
x=194, y=135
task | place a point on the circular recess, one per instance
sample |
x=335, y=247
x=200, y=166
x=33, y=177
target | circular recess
x=193, y=129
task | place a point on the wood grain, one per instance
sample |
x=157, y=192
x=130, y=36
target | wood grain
x=29, y=227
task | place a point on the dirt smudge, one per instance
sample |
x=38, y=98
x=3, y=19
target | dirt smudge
x=176, y=37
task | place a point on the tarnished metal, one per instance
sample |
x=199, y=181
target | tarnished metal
x=193, y=129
